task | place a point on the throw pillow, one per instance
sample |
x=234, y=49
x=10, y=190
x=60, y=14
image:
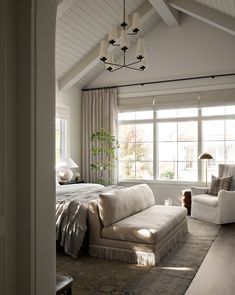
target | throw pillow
x=218, y=184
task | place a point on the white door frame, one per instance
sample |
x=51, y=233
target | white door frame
x=27, y=122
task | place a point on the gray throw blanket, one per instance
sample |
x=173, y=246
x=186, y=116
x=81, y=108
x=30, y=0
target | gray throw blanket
x=71, y=213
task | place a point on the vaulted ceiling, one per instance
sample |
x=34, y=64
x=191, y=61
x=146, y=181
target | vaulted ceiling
x=81, y=25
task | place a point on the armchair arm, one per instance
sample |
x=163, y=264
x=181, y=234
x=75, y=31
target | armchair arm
x=226, y=205
x=196, y=190
x=226, y=197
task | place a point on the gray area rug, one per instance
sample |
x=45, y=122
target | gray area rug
x=172, y=275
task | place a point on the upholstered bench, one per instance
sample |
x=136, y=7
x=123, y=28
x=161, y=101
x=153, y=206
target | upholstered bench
x=126, y=225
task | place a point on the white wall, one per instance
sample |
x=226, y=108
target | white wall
x=192, y=49
x=72, y=99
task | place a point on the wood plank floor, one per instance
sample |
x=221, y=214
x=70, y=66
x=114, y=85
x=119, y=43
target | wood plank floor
x=216, y=276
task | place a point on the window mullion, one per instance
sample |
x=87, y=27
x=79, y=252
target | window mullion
x=199, y=144
x=135, y=152
x=177, y=151
x=225, y=141
x=155, y=146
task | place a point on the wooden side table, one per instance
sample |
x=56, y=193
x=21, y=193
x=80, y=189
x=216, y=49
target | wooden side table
x=187, y=200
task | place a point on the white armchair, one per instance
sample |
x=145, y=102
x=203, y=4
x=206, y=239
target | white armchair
x=216, y=209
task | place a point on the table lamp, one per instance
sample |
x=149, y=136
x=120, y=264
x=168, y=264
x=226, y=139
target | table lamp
x=64, y=169
x=205, y=156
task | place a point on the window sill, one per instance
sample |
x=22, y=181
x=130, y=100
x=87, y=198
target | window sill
x=163, y=183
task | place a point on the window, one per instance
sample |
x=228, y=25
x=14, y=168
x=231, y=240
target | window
x=218, y=138
x=177, y=150
x=136, y=146
x=61, y=132
x=164, y=144
x=61, y=128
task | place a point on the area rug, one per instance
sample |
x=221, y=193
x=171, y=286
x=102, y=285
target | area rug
x=172, y=275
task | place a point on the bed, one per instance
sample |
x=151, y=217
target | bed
x=71, y=213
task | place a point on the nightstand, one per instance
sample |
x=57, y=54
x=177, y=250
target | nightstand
x=186, y=198
x=71, y=182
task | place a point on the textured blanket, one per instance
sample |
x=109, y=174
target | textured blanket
x=71, y=213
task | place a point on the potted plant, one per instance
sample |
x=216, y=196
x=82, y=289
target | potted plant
x=104, y=148
x=168, y=174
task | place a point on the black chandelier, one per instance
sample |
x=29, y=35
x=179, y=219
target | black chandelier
x=106, y=57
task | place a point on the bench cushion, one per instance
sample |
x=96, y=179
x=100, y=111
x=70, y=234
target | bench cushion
x=117, y=205
x=206, y=199
x=148, y=226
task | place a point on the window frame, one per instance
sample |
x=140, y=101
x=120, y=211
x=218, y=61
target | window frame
x=63, y=114
x=138, y=121
x=199, y=118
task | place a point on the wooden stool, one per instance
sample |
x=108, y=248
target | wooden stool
x=63, y=284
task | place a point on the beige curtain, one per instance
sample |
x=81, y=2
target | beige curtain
x=99, y=110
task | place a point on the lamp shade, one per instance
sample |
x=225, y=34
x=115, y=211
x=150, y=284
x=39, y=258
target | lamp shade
x=103, y=50
x=112, y=38
x=124, y=41
x=205, y=156
x=140, y=50
x=110, y=67
x=66, y=163
x=143, y=64
x=136, y=23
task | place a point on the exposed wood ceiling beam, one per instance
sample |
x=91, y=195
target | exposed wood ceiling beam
x=92, y=59
x=205, y=14
x=63, y=6
x=169, y=15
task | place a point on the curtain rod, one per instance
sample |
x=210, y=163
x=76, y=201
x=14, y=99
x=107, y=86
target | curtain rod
x=161, y=81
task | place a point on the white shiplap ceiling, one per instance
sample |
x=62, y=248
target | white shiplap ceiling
x=81, y=28
x=225, y=6
x=82, y=24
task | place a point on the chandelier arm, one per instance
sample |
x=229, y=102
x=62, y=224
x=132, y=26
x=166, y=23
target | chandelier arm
x=117, y=69
x=140, y=70
x=112, y=64
x=133, y=63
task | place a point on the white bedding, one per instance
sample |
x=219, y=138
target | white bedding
x=71, y=213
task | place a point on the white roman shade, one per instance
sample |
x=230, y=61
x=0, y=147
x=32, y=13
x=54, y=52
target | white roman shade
x=217, y=98
x=135, y=103
x=179, y=100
